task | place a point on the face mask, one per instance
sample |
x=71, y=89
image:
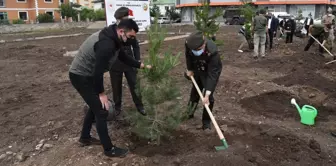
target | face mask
x=125, y=39
x=197, y=53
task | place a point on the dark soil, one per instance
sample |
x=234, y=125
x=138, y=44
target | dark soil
x=38, y=102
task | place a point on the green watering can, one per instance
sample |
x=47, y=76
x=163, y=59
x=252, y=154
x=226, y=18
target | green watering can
x=307, y=113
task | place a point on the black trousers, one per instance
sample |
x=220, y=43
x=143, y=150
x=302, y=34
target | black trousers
x=270, y=38
x=194, y=97
x=311, y=42
x=307, y=29
x=116, y=82
x=289, y=37
x=84, y=86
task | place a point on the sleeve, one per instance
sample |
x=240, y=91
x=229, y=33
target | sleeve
x=104, y=52
x=188, y=58
x=128, y=60
x=136, y=49
x=312, y=22
x=214, y=71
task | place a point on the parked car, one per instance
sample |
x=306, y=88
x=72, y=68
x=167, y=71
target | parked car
x=163, y=20
x=233, y=16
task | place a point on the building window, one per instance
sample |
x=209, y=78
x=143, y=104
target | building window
x=61, y=1
x=48, y=1
x=50, y=13
x=21, y=1
x=2, y=3
x=3, y=16
x=23, y=16
x=103, y=5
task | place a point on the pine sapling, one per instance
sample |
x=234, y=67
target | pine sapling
x=160, y=93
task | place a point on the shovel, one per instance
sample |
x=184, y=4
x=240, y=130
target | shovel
x=219, y=132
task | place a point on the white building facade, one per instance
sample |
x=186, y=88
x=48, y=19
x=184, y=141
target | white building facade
x=316, y=7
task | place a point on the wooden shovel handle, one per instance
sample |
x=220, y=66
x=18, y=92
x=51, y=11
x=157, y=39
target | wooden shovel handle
x=219, y=132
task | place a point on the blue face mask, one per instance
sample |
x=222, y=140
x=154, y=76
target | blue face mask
x=197, y=53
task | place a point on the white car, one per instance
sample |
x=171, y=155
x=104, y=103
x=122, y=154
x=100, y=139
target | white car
x=163, y=20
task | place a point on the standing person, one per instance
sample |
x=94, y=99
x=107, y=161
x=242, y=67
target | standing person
x=327, y=19
x=259, y=29
x=119, y=69
x=204, y=63
x=282, y=27
x=290, y=26
x=95, y=56
x=319, y=32
x=242, y=37
x=308, y=22
x=273, y=24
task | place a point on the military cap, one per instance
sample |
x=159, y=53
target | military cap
x=121, y=12
x=195, y=40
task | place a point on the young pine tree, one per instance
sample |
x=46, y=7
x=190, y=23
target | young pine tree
x=248, y=10
x=205, y=22
x=159, y=91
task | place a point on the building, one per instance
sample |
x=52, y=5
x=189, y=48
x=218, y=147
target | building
x=98, y=4
x=28, y=10
x=316, y=7
x=86, y=3
x=163, y=5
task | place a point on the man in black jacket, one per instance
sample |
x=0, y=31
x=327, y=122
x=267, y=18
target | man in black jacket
x=204, y=63
x=290, y=27
x=308, y=22
x=96, y=56
x=119, y=69
x=273, y=24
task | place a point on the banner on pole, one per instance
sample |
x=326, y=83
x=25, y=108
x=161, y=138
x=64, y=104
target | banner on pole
x=139, y=11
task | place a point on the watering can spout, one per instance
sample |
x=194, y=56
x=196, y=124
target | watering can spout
x=293, y=101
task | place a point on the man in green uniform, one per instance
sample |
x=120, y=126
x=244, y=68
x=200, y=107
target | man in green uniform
x=319, y=32
x=203, y=62
x=259, y=28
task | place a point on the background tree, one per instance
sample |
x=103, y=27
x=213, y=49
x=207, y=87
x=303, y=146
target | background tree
x=159, y=90
x=249, y=11
x=299, y=16
x=205, y=21
x=154, y=11
x=172, y=13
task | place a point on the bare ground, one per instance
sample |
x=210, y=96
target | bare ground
x=38, y=104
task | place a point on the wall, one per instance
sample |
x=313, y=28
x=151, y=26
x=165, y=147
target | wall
x=187, y=14
x=97, y=6
x=306, y=9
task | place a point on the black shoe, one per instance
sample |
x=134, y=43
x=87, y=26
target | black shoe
x=89, y=141
x=333, y=133
x=206, y=126
x=116, y=152
x=142, y=112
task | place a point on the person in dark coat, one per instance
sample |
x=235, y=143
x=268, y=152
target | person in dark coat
x=290, y=27
x=119, y=69
x=308, y=22
x=273, y=24
x=204, y=63
x=95, y=57
x=282, y=26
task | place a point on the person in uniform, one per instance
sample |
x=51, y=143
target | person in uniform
x=327, y=19
x=95, y=56
x=119, y=69
x=204, y=64
x=319, y=32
